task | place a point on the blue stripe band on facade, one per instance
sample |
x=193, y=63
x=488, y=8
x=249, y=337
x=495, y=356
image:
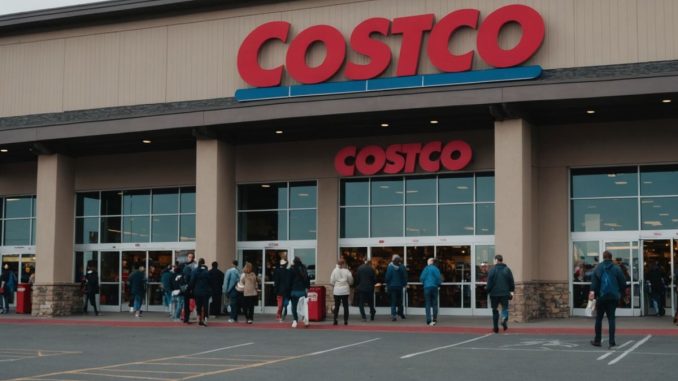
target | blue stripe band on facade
x=446, y=79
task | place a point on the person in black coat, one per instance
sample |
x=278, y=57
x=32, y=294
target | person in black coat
x=91, y=289
x=300, y=284
x=216, y=280
x=500, y=286
x=137, y=286
x=200, y=284
x=365, y=281
x=282, y=285
x=187, y=271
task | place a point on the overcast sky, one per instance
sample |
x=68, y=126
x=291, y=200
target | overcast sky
x=16, y=6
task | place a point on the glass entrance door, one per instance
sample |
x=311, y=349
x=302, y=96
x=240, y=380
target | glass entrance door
x=455, y=267
x=658, y=265
x=625, y=255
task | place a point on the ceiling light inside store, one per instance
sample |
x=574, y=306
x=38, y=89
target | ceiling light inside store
x=279, y=132
x=384, y=124
x=265, y=186
x=590, y=111
x=621, y=182
x=146, y=141
x=4, y=150
x=666, y=101
x=434, y=122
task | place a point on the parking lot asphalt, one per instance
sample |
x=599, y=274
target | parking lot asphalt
x=119, y=347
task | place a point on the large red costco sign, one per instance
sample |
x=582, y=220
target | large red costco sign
x=396, y=158
x=411, y=30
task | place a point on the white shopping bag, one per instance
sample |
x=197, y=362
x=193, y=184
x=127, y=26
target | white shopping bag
x=302, y=309
x=590, y=308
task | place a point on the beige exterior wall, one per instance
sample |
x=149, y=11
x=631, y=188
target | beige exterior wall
x=194, y=56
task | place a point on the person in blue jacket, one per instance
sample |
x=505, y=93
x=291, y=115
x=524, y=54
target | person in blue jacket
x=396, y=281
x=607, y=286
x=431, y=280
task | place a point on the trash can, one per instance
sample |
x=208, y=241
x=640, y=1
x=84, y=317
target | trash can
x=23, y=298
x=316, y=303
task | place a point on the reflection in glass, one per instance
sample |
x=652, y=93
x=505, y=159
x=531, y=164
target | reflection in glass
x=165, y=201
x=17, y=232
x=604, y=182
x=164, y=228
x=262, y=226
x=415, y=261
x=659, y=180
x=303, y=195
x=415, y=296
x=354, y=222
x=420, y=190
x=87, y=204
x=262, y=196
x=455, y=188
x=386, y=221
x=454, y=263
x=154, y=295
x=455, y=219
x=188, y=200
x=187, y=228
x=659, y=213
x=135, y=229
x=33, y=229
x=580, y=295
x=111, y=203
x=485, y=187
x=110, y=229
x=355, y=192
x=17, y=207
x=87, y=230
x=109, y=295
x=420, y=221
x=110, y=261
x=387, y=191
x=604, y=214
x=585, y=258
x=82, y=260
x=302, y=224
x=136, y=202
x=484, y=219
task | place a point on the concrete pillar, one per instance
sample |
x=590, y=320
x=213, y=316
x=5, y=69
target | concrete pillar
x=515, y=208
x=215, y=202
x=328, y=228
x=54, y=293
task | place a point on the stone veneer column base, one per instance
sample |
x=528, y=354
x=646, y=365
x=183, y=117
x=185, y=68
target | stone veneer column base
x=540, y=300
x=60, y=299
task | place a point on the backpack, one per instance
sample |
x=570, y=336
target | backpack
x=607, y=286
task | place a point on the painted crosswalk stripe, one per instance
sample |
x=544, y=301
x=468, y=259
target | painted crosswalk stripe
x=633, y=348
x=445, y=347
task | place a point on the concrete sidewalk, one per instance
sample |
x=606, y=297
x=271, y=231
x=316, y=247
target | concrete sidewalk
x=446, y=324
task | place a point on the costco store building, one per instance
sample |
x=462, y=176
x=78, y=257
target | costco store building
x=134, y=132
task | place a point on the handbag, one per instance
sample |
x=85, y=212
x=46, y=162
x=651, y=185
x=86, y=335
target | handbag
x=590, y=308
x=240, y=287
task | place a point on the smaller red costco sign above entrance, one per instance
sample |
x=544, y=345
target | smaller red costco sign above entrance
x=403, y=158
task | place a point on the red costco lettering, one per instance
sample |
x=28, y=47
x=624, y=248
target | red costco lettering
x=397, y=158
x=411, y=30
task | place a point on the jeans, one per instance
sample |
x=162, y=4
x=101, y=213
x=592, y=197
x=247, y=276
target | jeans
x=233, y=297
x=91, y=299
x=282, y=301
x=366, y=297
x=495, y=301
x=4, y=302
x=605, y=307
x=396, y=296
x=137, y=302
x=431, y=302
x=178, y=303
x=167, y=298
x=340, y=299
x=295, y=300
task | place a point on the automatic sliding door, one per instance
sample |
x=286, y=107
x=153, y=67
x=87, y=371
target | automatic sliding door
x=110, y=279
x=455, y=267
x=255, y=257
x=625, y=255
x=131, y=261
x=381, y=257
x=272, y=259
x=415, y=262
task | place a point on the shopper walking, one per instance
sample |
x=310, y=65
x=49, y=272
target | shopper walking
x=8, y=281
x=396, y=281
x=166, y=283
x=341, y=280
x=250, y=293
x=431, y=279
x=179, y=286
x=364, y=284
x=200, y=284
x=500, y=287
x=187, y=272
x=91, y=289
x=282, y=286
x=231, y=279
x=607, y=286
x=137, y=286
x=216, y=281
x=300, y=284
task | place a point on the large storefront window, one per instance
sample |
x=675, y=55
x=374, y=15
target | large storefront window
x=417, y=206
x=17, y=221
x=135, y=216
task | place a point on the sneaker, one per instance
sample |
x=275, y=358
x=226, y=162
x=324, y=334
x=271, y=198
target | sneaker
x=131, y=310
x=249, y=322
x=432, y=324
x=611, y=344
x=403, y=317
x=294, y=324
x=504, y=323
x=595, y=343
x=231, y=321
x=393, y=318
x=306, y=324
x=202, y=323
x=495, y=330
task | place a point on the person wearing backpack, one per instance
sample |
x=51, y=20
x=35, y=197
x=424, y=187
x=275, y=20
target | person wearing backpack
x=8, y=285
x=607, y=286
x=500, y=287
